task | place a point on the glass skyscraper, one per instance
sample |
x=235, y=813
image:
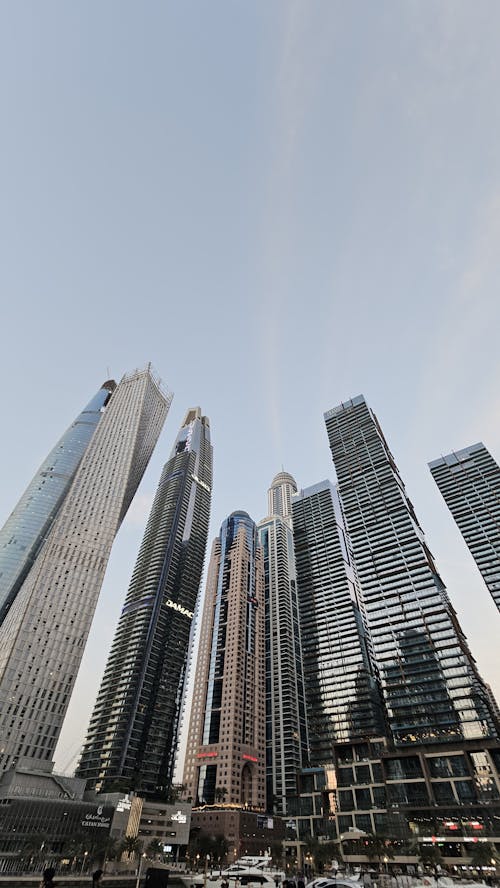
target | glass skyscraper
x=44, y=633
x=27, y=527
x=286, y=722
x=131, y=740
x=431, y=687
x=225, y=756
x=343, y=703
x=469, y=481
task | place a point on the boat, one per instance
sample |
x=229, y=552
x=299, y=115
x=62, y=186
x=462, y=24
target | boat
x=256, y=872
x=334, y=881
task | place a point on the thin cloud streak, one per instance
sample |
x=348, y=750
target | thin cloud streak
x=298, y=73
x=467, y=325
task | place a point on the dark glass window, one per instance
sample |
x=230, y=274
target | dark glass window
x=206, y=784
x=363, y=821
x=306, y=805
x=443, y=792
x=407, y=793
x=345, y=777
x=346, y=801
x=465, y=790
x=363, y=774
x=447, y=766
x=345, y=755
x=345, y=822
x=380, y=821
x=304, y=829
x=363, y=799
x=362, y=751
x=403, y=767
x=379, y=798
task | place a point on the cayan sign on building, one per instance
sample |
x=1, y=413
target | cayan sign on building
x=100, y=819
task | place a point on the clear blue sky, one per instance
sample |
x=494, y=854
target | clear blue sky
x=281, y=205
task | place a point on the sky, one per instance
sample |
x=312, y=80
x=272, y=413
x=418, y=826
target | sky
x=280, y=205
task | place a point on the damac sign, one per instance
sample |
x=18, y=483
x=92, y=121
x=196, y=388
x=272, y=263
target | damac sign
x=97, y=820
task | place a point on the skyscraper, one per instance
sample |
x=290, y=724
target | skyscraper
x=469, y=481
x=343, y=703
x=225, y=757
x=280, y=493
x=30, y=521
x=131, y=740
x=44, y=634
x=286, y=723
x=430, y=683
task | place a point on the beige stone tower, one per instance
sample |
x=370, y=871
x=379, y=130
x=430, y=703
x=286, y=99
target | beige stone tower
x=225, y=757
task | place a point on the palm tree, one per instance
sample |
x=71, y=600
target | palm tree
x=220, y=848
x=430, y=855
x=74, y=847
x=325, y=853
x=32, y=849
x=174, y=792
x=155, y=848
x=484, y=854
x=309, y=850
x=220, y=793
x=378, y=847
x=131, y=846
x=276, y=852
x=111, y=849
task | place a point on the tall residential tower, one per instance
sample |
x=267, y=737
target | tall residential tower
x=469, y=481
x=430, y=683
x=343, y=703
x=28, y=525
x=286, y=722
x=132, y=736
x=225, y=757
x=43, y=636
x=280, y=493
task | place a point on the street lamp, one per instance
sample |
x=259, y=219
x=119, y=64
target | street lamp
x=309, y=863
x=207, y=859
x=84, y=861
x=139, y=869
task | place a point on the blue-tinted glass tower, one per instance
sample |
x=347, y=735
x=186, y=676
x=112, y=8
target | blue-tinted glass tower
x=27, y=527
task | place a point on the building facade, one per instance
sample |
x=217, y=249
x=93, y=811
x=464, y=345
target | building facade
x=343, y=701
x=225, y=756
x=165, y=825
x=427, y=795
x=46, y=818
x=27, y=527
x=430, y=683
x=132, y=736
x=279, y=496
x=286, y=720
x=469, y=481
x=247, y=833
x=44, y=634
